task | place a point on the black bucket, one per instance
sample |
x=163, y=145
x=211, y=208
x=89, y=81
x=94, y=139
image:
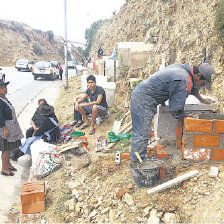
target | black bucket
x=145, y=174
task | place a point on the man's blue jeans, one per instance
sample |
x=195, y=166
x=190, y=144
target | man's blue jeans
x=143, y=109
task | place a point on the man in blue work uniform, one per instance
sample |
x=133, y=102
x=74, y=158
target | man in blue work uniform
x=174, y=83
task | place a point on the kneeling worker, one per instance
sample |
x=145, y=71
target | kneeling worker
x=174, y=83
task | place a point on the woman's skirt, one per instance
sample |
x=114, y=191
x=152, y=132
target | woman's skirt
x=8, y=146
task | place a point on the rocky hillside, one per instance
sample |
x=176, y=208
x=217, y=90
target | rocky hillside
x=18, y=40
x=179, y=29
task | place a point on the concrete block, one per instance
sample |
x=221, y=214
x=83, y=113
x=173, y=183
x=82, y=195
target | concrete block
x=165, y=123
x=110, y=69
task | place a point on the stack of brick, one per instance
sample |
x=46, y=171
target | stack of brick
x=33, y=197
x=203, y=139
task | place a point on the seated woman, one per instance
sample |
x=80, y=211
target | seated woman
x=48, y=131
x=36, y=120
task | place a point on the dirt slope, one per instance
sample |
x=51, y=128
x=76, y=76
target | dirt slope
x=178, y=29
x=18, y=40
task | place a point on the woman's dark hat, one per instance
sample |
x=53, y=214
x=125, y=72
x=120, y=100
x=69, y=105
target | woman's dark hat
x=46, y=109
x=2, y=83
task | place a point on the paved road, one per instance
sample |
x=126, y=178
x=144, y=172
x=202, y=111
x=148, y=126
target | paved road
x=23, y=92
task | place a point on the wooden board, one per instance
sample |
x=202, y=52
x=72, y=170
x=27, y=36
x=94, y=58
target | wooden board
x=173, y=182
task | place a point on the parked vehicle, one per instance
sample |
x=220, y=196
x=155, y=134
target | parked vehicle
x=45, y=70
x=71, y=64
x=24, y=64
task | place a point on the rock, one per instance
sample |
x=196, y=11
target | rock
x=221, y=174
x=128, y=199
x=105, y=210
x=153, y=217
x=146, y=211
x=92, y=214
x=71, y=204
x=171, y=218
x=129, y=186
x=111, y=215
x=77, y=207
x=73, y=185
x=69, y=217
x=75, y=193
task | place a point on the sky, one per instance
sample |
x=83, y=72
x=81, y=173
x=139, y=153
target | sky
x=49, y=14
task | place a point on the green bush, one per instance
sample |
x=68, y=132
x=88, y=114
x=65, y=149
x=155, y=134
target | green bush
x=219, y=20
x=37, y=49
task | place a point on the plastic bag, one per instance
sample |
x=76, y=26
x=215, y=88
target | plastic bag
x=120, y=136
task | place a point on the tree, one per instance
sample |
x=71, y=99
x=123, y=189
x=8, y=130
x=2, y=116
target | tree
x=89, y=35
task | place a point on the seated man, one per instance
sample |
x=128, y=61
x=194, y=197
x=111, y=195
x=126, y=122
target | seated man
x=96, y=105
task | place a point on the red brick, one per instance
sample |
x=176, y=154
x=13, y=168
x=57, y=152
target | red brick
x=32, y=193
x=198, y=125
x=159, y=147
x=162, y=174
x=84, y=139
x=219, y=126
x=40, y=182
x=161, y=153
x=196, y=154
x=179, y=131
x=125, y=155
x=206, y=140
x=217, y=154
x=120, y=193
x=33, y=208
x=178, y=143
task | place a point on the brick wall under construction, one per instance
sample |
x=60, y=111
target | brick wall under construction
x=203, y=139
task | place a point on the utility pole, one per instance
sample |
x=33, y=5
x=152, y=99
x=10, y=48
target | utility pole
x=65, y=43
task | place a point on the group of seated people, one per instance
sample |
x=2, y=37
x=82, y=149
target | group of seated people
x=45, y=124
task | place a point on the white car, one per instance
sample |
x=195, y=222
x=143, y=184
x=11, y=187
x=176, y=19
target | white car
x=24, y=64
x=71, y=64
x=45, y=70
